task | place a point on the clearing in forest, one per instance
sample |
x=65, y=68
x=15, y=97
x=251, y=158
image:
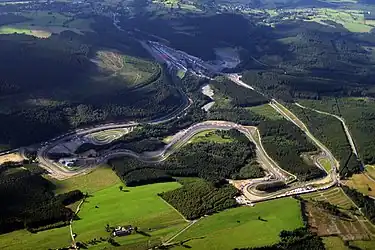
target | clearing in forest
x=267, y=111
x=135, y=72
x=210, y=136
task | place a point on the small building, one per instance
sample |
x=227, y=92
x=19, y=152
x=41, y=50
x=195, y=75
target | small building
x=123, y=231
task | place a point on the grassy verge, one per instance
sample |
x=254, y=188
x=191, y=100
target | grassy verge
x=325, y=163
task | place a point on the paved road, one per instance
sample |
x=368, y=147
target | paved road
x=346, y=129
x=184, y=136
x=332, y=176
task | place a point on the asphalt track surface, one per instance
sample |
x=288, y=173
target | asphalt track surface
x=180, y=139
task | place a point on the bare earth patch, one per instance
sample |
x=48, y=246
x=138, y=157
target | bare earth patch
x=15, y=157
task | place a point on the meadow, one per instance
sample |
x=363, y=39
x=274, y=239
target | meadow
x=107, y=204
x=135, y=72
x=361, y=183
x=100, y=178
x=267, y=111
x=139, y=206
x=42, y=24
x=244, y=226
x=352, y=20
x=210, y=136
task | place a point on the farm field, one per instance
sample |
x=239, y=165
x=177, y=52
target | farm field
x=21, y=29
x=267, y=111
x=42, y=24
x=355, y=227
x=100, y=178
x=177, y=4
x=352, y=20
x=241, y=227
x=138, y=206
x=361, y=183
x=334, y=243
x=24, y=240
x=363, y=245
x=210, y=136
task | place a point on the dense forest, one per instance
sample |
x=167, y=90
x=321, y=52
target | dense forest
x=331, y=133
x=295, y=59
x=197, y=198
x=30, y=202
x=359, y=114
x=209, y=160
x=238, y=95
x=66, y=91
x=286, y=143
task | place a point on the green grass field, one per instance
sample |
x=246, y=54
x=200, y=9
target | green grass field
x=363, y=245
x=325, y=163
x=266, y=111
x=102, y=177
x=370, y=170
x=240, y=227
x=43, y=24
x=138, y=206
x=334, y=243
x=352, y=20
x=209, y=136
x=134, y=71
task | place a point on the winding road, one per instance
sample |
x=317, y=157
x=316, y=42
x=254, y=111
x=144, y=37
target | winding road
x=181, y=138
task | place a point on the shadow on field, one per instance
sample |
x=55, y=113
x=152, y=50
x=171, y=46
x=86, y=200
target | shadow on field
x=143, y=233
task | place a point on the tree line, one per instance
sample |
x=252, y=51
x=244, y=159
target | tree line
x=285, y=143
x=198, y=198
x=31, y=203
x=238, y=95
x=300, y=238
x=365, y=203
